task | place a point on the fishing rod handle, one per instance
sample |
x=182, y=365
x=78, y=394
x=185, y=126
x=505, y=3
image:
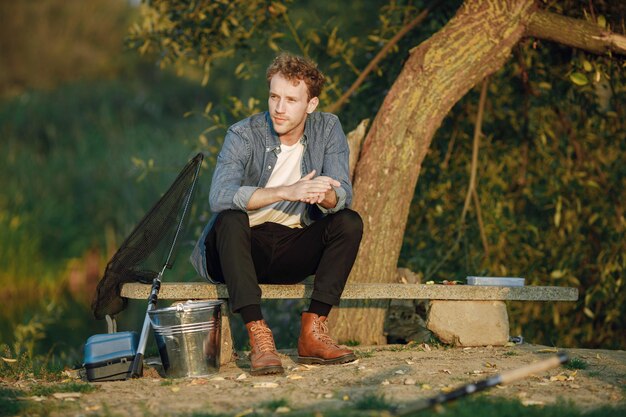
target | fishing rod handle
x=534, y=368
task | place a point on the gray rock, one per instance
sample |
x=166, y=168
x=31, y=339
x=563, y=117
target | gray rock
x=469, y=323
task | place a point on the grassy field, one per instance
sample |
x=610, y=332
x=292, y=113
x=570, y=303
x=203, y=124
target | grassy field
x=590, y=384
x=80, y=166
x=373, y=406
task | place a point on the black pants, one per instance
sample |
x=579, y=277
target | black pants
x=270, y=253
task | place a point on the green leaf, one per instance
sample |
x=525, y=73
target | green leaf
x=579, y=78
x=273, y=45
x=587, y=66
x=601, y=21
x=138, y=162
x=597, y=76
x=545, y=86
x=557, y=213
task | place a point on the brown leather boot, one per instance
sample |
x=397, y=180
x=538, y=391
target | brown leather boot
x=263, y=353
x=315, y=345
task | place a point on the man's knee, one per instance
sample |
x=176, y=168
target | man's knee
x=229, y=219
x=349, y=221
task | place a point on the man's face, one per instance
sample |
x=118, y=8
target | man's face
x=289, y=105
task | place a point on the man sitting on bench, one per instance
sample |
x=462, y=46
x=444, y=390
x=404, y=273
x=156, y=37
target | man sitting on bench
x=280, y=192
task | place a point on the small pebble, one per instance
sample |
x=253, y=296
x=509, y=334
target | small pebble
x=66, y=395
x=265, y=385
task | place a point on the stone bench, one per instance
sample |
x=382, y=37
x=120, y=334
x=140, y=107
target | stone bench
x=463, y=315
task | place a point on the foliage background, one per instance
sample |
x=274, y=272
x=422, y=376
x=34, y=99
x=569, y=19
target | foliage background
x=91, y=134
x=551, y=176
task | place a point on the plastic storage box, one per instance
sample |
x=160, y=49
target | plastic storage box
x=109, y=357
x=496, y=281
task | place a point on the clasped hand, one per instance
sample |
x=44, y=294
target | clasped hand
x=311, y=189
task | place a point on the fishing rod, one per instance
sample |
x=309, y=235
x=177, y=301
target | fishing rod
x=500, y=379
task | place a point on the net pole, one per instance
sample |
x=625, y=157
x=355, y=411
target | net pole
x=137, y=368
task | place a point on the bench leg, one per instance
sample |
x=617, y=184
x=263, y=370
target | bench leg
x=227, y=347
x=469, y=323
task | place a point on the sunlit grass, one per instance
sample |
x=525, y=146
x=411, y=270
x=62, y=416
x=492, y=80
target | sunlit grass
x=49, y=389
x=24, y=366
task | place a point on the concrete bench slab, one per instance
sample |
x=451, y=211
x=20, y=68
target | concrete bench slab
x=452, y=308
x=361, y=291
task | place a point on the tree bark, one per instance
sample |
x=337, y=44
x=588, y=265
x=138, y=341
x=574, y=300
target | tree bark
x=474, y=44
x=576, y=33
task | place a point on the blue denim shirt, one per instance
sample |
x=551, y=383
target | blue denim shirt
x=248, y=156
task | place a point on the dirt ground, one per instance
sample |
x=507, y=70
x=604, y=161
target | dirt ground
x=402, y=373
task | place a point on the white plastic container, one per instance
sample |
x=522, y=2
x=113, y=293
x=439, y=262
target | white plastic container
x=496, y=281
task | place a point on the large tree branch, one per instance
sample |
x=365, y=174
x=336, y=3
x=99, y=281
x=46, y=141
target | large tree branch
x=575, y=33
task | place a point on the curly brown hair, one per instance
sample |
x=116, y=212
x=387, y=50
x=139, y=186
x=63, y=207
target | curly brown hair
x=294, y=68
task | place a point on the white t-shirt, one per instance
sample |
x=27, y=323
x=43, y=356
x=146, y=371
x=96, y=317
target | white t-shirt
x=287, y=171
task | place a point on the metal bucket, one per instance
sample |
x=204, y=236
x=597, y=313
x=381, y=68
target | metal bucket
x=188, y=337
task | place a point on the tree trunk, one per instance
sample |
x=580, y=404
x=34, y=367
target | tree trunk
x=474, y=44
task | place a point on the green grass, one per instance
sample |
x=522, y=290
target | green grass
x=17, y=367
x=372, y=402
x=484, y=406
x=9, y=405
x=15, y=402
x=377, y=406
x=49, y=389
x=364, y=353
x=79, y=167
x=576, y=363
x=276, y=403
x=373, y=405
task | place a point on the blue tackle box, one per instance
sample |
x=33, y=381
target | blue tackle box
x=109, y=357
